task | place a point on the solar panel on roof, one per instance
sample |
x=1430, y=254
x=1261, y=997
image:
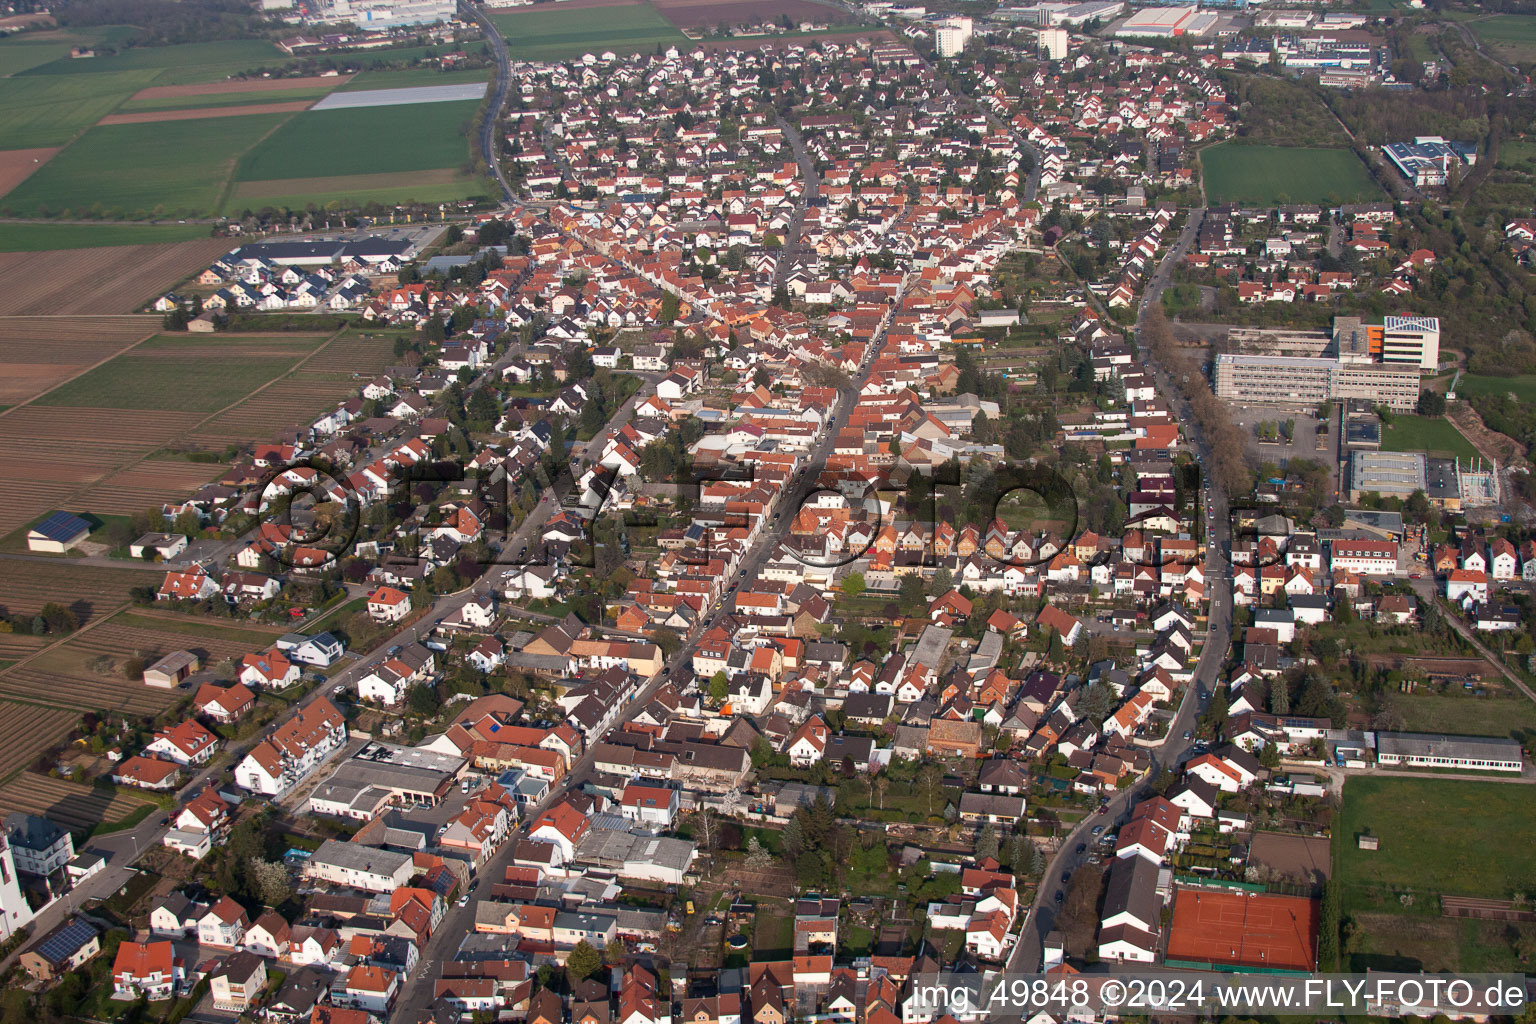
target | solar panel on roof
x=61, y=526
x=65, y=941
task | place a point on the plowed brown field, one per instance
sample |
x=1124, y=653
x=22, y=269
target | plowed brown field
x=160, y=92
x=17, y=164
x=197, y=113
x=115, y=279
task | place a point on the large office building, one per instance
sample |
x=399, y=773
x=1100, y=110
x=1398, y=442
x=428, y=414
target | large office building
x=1375, y=363
x=1411, y=339
x=1297, y=380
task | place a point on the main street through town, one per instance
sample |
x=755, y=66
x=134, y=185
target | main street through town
x=1078, y=844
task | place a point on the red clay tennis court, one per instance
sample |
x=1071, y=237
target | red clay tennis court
x=1248, y=929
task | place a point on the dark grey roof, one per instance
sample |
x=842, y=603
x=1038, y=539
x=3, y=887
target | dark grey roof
x=62, y=526
x=65, y=940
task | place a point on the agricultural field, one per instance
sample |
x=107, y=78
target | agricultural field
x=1511, y=36
x=76, y=807
x=26, y=731
x=52, y=110
x=167, y=394
x=233, y=91
x=144, y=485
x=411, y=77
x=203, y=113
x=188, y=374
x=541, y=34
x=178, y=167
x=16, y=237
x=363, y=141
x=1435, y=435
x=73, y=344
x=1274, y=175
x=25, y=586
x=114, y=279
x=1391, y=895
x=440, y=186
x=85, y=673
x=707, y=14
x=176, y=65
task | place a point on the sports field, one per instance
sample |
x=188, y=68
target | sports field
x=542, y=34
x=337, y=143
x=190, y=374
x=1523, y=386
x=1435, y=435
x=1435, y=837
x=1223, y=926
x=1272, y=175
x=176, y=167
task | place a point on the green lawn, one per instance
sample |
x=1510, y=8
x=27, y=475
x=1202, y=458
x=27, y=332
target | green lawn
x=1523, y=387
x=42, y=237
x=1437, y=836
x=155, y=376
x=334, y=143
x=552, y=34
x=188, y=62
x=1271, y=175
x=176, y=167
x=51, y=110
x=1512, y=35
x=1435, y=435
x=1466, y=715
x=413, y=77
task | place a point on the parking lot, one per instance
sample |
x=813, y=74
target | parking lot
x=1304, y=440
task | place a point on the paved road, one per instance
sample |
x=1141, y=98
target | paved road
x=488, y=140
x=810, y=188
x=1028, y=954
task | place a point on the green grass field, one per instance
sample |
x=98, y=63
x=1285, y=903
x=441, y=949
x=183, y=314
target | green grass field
x=177, y=167
x=233, y=99
x=1466, y=715
x=463, y=188
x=51, y=110
x=1511, y=35
x=329, y=143
x=553, y=34
x=413, y=77
x=1271, y=175
x=1523, y=387
x=175, y=372
x=17, y=56
x=42, y=237
x=1424, y=434
x=1437, y=836
x=189, y=62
